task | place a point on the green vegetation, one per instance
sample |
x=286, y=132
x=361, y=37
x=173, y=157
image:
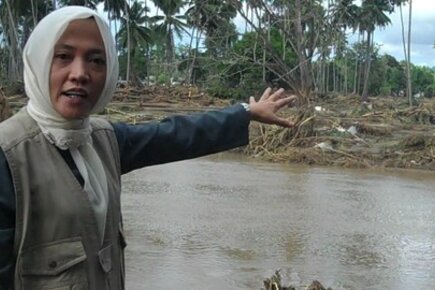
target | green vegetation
x=300, y=45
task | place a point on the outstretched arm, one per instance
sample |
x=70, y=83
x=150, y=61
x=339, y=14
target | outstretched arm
x=265, y=109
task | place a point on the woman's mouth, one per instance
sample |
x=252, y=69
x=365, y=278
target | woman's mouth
x=74, y=94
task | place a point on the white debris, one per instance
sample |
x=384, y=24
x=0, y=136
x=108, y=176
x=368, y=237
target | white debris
x=324, y=146
x=352, y=130
x=340, y=129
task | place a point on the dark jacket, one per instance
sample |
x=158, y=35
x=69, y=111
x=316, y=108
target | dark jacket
x=172, y=139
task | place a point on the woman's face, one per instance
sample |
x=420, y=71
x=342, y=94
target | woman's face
x=78, y=69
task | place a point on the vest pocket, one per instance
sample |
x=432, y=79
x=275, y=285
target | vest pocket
x=105, y=257
x=54, y=265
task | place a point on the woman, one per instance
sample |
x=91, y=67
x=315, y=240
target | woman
x=60, y=217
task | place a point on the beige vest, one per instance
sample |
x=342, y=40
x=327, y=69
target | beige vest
x=56, y=241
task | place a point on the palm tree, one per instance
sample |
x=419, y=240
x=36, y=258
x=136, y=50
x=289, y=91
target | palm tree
x=115, y=9
x=208, y=15
x=308, y=22
x=88, y=3
x=197, y=17
x=407, y=51
x=408, y=70
x=167, y=25
x=344, y=15
x=372, y=14
x=119, y=10
x=283, y=7
x=134, y=36
x=213, y=19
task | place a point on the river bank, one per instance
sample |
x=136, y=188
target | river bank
x=332, y=131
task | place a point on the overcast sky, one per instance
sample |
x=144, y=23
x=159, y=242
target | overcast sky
x=423, y=33
x=390, y=37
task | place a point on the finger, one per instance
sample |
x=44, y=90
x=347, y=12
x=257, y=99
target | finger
x=265, y=95
x=285, y=101
x=277, y=95
x=252, y=100
x=284, y=123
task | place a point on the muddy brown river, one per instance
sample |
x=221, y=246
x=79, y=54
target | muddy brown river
x=226, y=222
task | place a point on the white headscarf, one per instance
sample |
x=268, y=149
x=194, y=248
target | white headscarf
x=69, y=134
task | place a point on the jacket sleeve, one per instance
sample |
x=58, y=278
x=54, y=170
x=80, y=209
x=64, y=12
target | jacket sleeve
x=7, y=225
x=181, y=137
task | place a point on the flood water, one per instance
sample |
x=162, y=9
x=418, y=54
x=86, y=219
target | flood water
x=226, y=222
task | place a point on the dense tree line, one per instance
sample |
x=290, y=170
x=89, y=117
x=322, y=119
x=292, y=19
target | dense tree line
x=301, y=45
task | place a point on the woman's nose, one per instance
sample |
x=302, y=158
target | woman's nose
x=79, y=71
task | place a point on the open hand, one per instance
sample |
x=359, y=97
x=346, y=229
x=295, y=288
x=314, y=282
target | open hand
x=265, y=109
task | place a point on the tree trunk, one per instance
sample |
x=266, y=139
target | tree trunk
x=264, y=61
x=408, y=61
x=191, y=78
x=148, y=50
x=109, y=13
x=117, y=44
x=334, y=74
x=355, y=76
x=246, y=21
x=254, y=49
x=364, y=96
x=14, y=47
x=169, y=56
x=34, y=11
x=284, y=34
x=361, y=69
x=188, y=76
x=264, y=47
x=323, y=75
x=345, y=75
x=303, y=67
x=127, y=14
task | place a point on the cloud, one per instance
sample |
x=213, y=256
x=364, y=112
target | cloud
x=422, y=37
x=419, y=53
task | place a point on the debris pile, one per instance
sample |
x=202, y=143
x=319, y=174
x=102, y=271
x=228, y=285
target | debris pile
x=337, y=131
x=275, y=283
x=344, y=132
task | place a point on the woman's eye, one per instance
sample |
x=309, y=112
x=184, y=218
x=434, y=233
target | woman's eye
x=98, y=61
x=62, y=56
